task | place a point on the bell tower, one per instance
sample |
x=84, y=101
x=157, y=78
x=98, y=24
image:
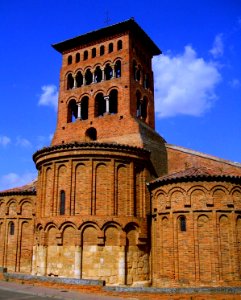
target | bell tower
x=106, y=86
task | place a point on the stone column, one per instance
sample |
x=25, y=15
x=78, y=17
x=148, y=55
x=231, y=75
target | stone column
x=113, y=71
x=79, y=111
x=93, y=77
x=107, y=98
x=103, y=74
x=77, y=262
x=75, y=82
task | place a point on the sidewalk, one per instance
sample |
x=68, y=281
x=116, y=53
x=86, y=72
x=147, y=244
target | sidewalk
x=55, y=293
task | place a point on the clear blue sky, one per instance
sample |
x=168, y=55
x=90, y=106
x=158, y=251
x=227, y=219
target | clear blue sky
x=198, y=77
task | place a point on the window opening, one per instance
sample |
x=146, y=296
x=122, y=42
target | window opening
x=118, y=69
x=72, y=111
x=62, y=203
x=138, y=104
x=144, y=108
x=79, y=79
x=84, y=108
x=138, y=73
x=108, y=72
x=77, y=57
x=146, y=81
x=11, y=228
x=85, y=55
x=119, y=45
x=183, y=225
x=70, y=82
x=102, y=50
x=93, y=52
x=98, y=74
x=100, y=105
x=88, y=77
x=69, y=59
x=111, y=47
x=91, y=134
x=113, y=102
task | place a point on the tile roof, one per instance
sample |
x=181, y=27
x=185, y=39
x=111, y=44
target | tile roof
x=194, y=173
x=27, y=189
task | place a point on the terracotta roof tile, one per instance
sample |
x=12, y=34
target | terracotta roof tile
x=196, y=172
x=27, y=189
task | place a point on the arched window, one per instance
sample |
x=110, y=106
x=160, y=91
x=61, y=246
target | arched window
x=70, y=82
x=119, y=45
x=111, y=47
x=118, y=69
x=84, y=108
x=77, y=57
x=113, y=102
x=100, y=105
x=79, y=79
x=91, y=134
x=62, y=203
x=102, y=50
x=93, y=52
x=182, y=223
x=72, y=111
x=11, y=228
x=108, y=72
x=88, y=77
x=98, y=74
x=85, y=55
x=69, y=59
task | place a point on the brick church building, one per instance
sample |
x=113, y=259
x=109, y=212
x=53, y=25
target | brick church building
x=113, y=200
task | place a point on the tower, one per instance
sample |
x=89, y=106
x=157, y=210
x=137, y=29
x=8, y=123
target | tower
x=92, y=201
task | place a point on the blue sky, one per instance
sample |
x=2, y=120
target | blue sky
x=197, y=79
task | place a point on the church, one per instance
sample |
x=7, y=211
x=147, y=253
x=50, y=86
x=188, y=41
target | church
x=113, y=200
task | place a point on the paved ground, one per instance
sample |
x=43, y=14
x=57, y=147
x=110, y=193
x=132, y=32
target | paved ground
x=16, y=291
x=26, y=291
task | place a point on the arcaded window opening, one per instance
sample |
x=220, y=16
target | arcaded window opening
x=144, y=108
x=85, y=55
x=119, y=45
x=79, y=79
x=84, y=108
x=138, y=73
x=102, y=50
x=182, y=223
x=113, y=102
x=118, y=69
x=108, y=72
x=100, y=105
x=91, y=134
x=146, y=81
x=70, y=82
x=88, y=77
x=72, y=111
x=111, y=47
x=77, y=57
x=62, y=203
x=138, y=104
x=93, y=52
x=69, y=59
x=98, y=74
x=11, y=228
